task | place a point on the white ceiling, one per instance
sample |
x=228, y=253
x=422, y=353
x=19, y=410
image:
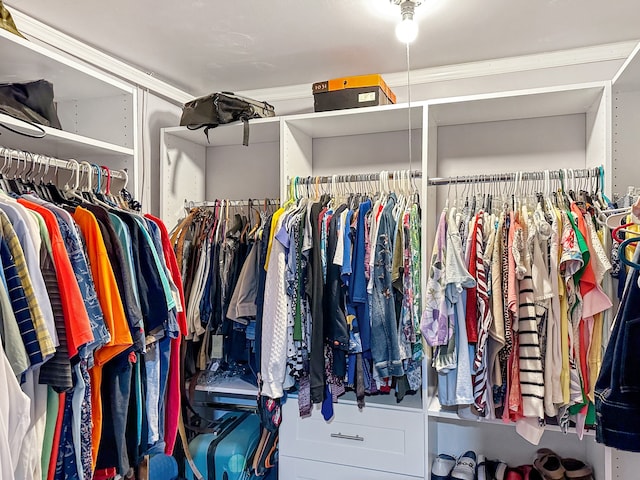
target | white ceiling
x=204, y=46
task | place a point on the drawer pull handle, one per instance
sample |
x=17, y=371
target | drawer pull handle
x=357, y=438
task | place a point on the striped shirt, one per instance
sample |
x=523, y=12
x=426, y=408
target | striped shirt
x=20, y=306
x=42, y=332
x=531, y=375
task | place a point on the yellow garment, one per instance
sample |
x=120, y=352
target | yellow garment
x=565, y=378
x=631, y=248
x=272, y=233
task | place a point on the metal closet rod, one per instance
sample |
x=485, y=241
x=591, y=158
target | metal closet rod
x=505, y=177
x=231, y=203
x=357, y=177
x=29, y=158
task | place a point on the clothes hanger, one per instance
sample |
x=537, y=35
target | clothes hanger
x=604, y=198
x=30, y=167
x=87, y=191
x=3, y=180
x=12, y=183
x=37, y=174
x=44, y=191
x=71, y=189
x=55, y=194
x=623, y=258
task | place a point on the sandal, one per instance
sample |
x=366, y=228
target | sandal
x=549, y=465
x=577, y=469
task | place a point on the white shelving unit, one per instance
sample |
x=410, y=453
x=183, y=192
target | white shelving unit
x=220, y=167
x=562, y=127
x=551, y=128
x=626, y=173
x=97, y=112
x=59, y=142
x=365, y=140
x=626, y=122
x=353, y=141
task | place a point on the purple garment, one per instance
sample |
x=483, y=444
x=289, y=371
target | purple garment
x=435, y=325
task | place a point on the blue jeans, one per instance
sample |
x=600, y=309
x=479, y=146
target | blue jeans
x=157, y=365
x=116, y=391
x=384, y=331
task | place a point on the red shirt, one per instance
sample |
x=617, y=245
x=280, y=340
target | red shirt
x=76, y=319
x=172, y=415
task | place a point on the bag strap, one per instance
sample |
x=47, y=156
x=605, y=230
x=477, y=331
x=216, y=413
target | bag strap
x=41, y=133
x=187, y=452
x=245, y=131
x=181, y=425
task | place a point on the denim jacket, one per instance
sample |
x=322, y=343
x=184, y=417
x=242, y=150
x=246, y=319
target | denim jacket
x=384, y=328
x=618, y=385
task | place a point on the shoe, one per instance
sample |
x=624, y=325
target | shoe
x=549, y=465
x=481, y=473
x=442, y=466
x=513, y=474
x=529, y=473
x=577, y=469
x=495, y=470
x=465, y=468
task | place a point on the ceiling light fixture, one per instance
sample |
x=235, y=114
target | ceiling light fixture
x=407, y=29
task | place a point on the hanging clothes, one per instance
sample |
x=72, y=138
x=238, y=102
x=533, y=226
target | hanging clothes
x=514, y=309
x=345, y=275
x=78, y=297
x=218, y=249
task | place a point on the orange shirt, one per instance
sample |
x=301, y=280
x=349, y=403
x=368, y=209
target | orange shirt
x=76, y=319
x=106, y=288
x=112, y=309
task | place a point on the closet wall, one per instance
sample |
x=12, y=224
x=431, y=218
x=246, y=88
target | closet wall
x=218, y=167
x=626, y=122
x=154, y=114
x=626, y=173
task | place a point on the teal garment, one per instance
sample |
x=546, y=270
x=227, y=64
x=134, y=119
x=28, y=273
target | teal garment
x=124, y=235
x=171, y=304
x=138, y=391
x=53, y=401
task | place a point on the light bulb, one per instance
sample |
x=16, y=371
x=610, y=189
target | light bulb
x=407, y=30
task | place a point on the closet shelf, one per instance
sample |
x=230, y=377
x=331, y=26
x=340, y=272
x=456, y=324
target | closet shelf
x=628, y=77
x=58, y=143
x=436, y=411
x=536, y=103
x=230, y=386
x=23, y=60
x=358, y=121
x=261, y=130
x=411, y=403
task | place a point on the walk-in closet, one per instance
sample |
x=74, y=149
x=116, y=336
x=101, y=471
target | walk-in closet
x=378, y=239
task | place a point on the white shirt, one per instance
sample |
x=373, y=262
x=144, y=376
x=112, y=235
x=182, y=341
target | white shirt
x=14, y=420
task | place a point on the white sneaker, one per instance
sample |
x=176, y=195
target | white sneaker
x=482, y=468
x=465, y=469
x=442, y=466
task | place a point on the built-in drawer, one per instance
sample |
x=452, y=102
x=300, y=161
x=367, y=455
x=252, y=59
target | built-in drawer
x=375, y=438
x=290, y=468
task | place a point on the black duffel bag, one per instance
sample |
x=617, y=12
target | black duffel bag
x=224, y=107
